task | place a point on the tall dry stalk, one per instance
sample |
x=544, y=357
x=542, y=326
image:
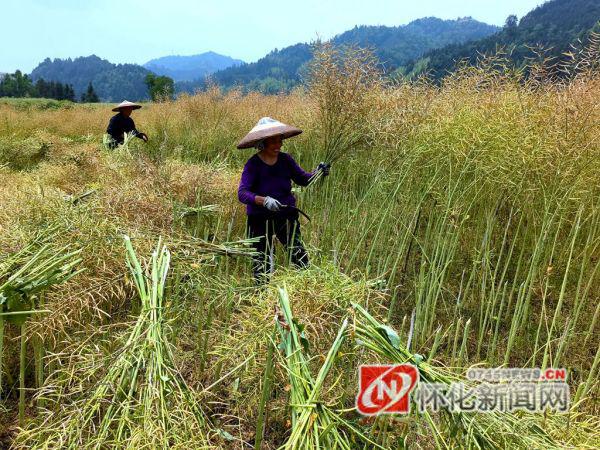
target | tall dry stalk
x=340, y=83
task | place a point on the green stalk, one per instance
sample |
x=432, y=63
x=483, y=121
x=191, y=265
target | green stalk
x=592, y=326
x=411, y=238
x=463, y=347
x=205, y=336
x=562, y=343
x=22, y=362
x=38, y=354
x=563, y=288
x=485, y=305
x=492, y=348
x=436, y=343
x=1, y=351
x=590, y=380
x=265, y=394
x=455, y=341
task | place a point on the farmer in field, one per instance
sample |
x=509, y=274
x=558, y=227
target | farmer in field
x=122, y=123
x=266, y=188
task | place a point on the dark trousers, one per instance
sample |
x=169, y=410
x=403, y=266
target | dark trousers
x=287, y=231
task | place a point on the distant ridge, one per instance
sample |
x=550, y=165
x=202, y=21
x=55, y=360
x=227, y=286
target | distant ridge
x=281, y=70
x=278, y=71
x=193, y=67
x=555, y=26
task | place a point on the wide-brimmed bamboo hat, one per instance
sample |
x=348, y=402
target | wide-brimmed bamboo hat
x=266, y=128
x=126, y=104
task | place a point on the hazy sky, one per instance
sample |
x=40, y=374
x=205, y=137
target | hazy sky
x=139, y=30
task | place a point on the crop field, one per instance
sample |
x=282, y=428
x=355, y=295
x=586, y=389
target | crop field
x=459, y=227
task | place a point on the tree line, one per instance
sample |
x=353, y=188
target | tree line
x=19, y=85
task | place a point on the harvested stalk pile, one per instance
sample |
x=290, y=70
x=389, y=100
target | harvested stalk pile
x=33, y=269
x=314, y=424
x=141, y=401
x=24, y=275
x=193, y=249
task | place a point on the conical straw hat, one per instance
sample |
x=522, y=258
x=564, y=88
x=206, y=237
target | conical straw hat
x=125, y=104
x=266, y=128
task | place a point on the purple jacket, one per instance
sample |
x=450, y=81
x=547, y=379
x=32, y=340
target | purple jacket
x=258, y=178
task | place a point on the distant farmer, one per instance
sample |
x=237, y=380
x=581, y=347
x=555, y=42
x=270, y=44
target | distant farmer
x=122, y=123
x=266, y=188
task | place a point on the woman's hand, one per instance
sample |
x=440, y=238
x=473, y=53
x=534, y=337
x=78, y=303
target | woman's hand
x=324, y=167
x=271, y=204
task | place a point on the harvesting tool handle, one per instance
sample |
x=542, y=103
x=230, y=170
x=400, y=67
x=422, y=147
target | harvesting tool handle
x=298, y=210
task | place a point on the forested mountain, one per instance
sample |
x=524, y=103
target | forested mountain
x=189, y=68
x=395, y=46
x=112, y=82
x=279, y=71
x=555, y=25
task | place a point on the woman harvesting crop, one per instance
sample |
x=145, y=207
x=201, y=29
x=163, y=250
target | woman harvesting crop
x=266, y=188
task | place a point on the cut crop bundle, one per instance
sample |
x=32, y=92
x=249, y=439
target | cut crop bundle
x=141, y=401
x=33, y=269
x=24, y=275
x=314, y=424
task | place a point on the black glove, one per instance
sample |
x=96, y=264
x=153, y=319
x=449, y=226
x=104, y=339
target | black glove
x=324, y=167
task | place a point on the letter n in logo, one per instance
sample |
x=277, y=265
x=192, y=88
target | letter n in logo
x=385, y=389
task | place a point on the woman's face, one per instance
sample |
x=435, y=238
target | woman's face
x=273, y=145
x=126, y=111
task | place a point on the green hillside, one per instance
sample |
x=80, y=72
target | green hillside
x=554, y=26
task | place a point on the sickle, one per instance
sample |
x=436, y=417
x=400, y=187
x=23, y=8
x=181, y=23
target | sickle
x=297, y=209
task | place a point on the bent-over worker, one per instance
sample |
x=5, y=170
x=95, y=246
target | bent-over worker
x=266, y=189
x=122, y=123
